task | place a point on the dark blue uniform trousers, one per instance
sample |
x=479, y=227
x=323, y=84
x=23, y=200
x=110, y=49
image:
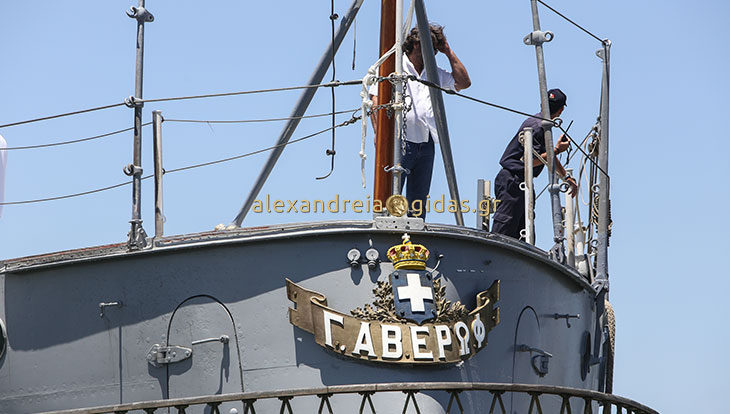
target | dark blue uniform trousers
x=419, y=161
x=509, y=218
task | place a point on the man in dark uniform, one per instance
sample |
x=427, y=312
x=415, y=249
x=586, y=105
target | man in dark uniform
x=509, y=218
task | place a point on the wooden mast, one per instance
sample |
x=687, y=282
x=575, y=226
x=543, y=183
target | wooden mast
x=385, y=130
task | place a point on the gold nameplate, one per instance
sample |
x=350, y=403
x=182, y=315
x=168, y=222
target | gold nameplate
x=378, y=333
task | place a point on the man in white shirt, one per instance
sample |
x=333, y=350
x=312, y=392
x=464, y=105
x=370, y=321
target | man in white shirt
x=420, y=132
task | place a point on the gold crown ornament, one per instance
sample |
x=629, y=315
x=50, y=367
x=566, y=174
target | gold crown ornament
x=408, y=255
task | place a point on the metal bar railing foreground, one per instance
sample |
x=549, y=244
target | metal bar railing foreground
x=536, y=394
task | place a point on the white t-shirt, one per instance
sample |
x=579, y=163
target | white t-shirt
x=419, y=119
x=3, y=163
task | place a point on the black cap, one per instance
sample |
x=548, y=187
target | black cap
x=557, y=99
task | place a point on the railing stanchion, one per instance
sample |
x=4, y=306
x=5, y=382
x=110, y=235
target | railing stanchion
x=529, y=189
x=484, y=206
x=570, y=224
x=159, y=172
x=537, y=38
x=137, y=236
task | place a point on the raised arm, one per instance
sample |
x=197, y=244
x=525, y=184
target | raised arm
x=458, y=71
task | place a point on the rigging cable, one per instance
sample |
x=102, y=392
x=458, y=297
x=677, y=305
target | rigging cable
x=108, y=134
x=572, y=22
x=243, y=121
x=352, y=120
x=255, y=91
x=180, y=98
x=83, y=111
x=461, y=95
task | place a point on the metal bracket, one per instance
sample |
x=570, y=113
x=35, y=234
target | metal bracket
x=224, y=339
x=398, y=169
x=141, y=14
x=160, y=355
x=540, y=361
x=399, y=223
x=538, y=37
x=132, y=102
x=567, y=317
x=601, y=53
x=137, y=237
x=599, y=285
x=132, y=169
x=104, y=305
x=557, y=252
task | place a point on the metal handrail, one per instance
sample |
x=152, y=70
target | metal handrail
x=366, y=390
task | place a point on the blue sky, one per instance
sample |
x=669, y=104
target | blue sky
x=669, y=81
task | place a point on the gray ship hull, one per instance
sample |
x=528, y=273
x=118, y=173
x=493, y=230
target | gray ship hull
x=65, y=352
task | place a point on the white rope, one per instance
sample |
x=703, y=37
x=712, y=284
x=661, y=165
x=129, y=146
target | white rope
x=371, y=78
x=368, y=80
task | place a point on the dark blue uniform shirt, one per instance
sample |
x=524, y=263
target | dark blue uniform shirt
x=512, y=157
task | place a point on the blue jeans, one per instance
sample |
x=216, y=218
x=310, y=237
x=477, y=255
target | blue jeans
x=419, y=161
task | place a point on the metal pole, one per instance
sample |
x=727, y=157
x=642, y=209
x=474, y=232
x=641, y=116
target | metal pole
x=398, y=107
x=484, y=195
x=600, y=283
x=157, y=153
x=528, y=187
x=437, y=103
x=537, y=38
x=570, y=225
x=301, y=107
x=137, y=236
x=604, y=181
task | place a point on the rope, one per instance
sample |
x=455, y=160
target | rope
x=570, y=21
x=243, y=121
x=74, y=141
x=216, y=95
x=83, y=111
x=98, y=190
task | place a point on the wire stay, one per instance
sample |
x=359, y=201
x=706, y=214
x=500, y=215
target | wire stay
x=179, y=98
x=45, y=118
x=54, y=144
x=350, y=121
x=256, y=91
x=570, y=21
x=243, y=121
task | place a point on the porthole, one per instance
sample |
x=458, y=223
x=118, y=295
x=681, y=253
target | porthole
x=3, y=338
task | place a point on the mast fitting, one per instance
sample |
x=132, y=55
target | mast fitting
x=141, y=14
x=538, y=37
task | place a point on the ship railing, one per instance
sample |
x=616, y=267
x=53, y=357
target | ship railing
x=590, y=401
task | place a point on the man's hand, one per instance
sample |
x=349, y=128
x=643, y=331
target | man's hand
x=444, y=48
x=573, y=190
x=563, y=144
